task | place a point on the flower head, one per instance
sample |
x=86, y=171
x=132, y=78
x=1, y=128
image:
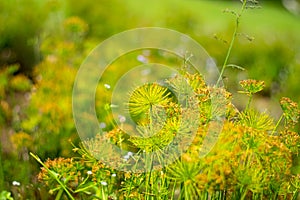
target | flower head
x=252, y=86
x=290, y=110
x=103, y=183
x=89, y=172
x=122, y=118
x=16, y=183
x=145, y=97
x=102, y=125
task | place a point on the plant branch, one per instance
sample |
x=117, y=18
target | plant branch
x=234, y=35
x=54, y=175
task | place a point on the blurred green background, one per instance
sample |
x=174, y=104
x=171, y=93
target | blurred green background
x=43, y=43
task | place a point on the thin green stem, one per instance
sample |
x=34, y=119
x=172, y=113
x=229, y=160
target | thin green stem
x=244, y=193
x=249, y=101
x=131, y=180
x=277, y=124
x=295, y=194
x=234, y=35
x=104, y=197
x=148, y=180
x=59, y=194
x=186, y=194
x=151, y=120
x=130, y=185
x=173, y=190
x=227, y=55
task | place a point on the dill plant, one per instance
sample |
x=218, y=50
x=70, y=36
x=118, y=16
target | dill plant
x=252, y=159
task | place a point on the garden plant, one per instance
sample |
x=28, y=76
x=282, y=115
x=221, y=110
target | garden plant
x=253, y=156
x=252, y=159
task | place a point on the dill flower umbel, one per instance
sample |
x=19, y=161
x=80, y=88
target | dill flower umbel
x=290, y=110
x=145, y=97
x=252, y=86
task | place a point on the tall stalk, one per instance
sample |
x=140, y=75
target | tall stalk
x=234, y=35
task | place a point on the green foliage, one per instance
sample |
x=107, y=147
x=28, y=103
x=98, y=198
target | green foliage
x=49, y=111
x=257, y=120
x=290, y=110
x=146, y=97
x=36, y=113
x=104, y=19
x=10, y=86
x=252, y=159
x=20, y=31
x=5, y=195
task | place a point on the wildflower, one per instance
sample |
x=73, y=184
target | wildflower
x=115, y=135
x=114, y=175
x=16, y=183
x=103, y=183
x=145, y=97
x=133, y=195
x=252, y=86
x=290, y=109
x=122, y=118
x=107, y=86
x=128, y=155
x=89, y=172
x=102, y=125
x=257, y=120
x=186, y=157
